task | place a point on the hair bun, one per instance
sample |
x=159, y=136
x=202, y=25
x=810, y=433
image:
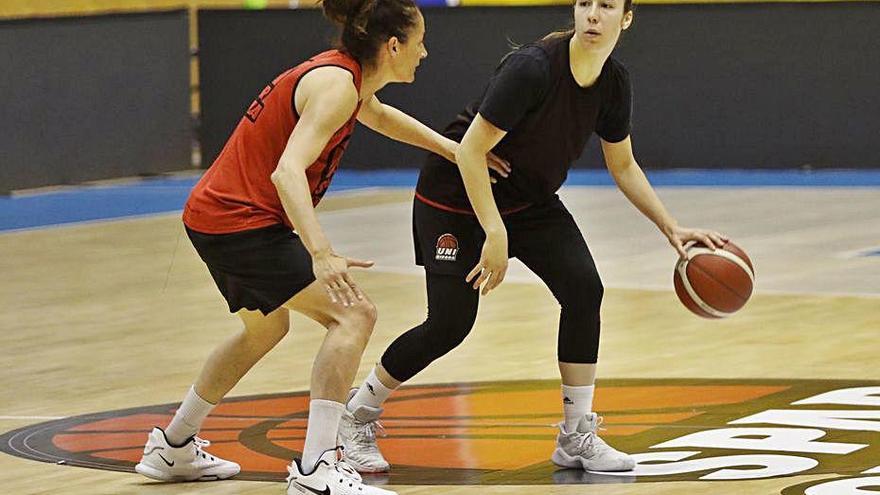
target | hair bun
x=347, y=12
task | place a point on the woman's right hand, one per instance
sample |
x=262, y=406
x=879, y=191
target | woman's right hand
x=331, y=270
x=492, y=267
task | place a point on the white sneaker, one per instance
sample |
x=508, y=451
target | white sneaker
x=329, y=476
x=357, y=433
x=585, y=450
x=188, y=462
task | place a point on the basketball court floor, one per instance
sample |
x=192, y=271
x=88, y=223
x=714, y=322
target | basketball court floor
x=106, y=323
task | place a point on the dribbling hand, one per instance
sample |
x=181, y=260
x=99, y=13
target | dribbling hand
x=679, y=236
x=331, y=270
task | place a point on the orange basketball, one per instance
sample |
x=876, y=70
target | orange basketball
x=714, y=284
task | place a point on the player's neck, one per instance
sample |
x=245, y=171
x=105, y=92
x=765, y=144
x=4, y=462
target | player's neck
x=585, y=65
x=371, y=82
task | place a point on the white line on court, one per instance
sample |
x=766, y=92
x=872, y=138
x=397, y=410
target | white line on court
x=22, y=418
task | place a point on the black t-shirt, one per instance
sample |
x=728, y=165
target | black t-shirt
x=548, y=118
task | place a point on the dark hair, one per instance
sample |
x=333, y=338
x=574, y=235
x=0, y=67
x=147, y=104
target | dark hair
x=627, y=7
x=367, y=24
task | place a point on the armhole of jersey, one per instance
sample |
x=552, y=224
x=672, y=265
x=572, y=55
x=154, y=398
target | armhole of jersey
x=293, y=92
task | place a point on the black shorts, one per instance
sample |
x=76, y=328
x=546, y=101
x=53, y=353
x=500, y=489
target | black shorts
x=258, y=269
x=543, y=236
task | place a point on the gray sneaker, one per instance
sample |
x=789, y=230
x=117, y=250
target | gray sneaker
x=584, y=449
x=357, y=434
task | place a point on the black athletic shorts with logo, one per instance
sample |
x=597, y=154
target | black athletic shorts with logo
x=544, y=237
x=257, y=269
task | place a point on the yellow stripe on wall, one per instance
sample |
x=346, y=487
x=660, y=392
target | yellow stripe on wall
x=511, y=3
x=51, y=8
x=535, y=3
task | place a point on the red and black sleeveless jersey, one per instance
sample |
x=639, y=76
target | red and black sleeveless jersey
x=237, y=192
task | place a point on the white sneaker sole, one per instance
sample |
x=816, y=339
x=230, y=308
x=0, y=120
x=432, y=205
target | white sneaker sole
x=561, y=459
x=159, y=475
x=367, y=469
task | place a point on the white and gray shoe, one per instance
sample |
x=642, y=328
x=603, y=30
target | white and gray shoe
x=584, y=449
x=189, y=462
x=357, y=434
x=329, y=476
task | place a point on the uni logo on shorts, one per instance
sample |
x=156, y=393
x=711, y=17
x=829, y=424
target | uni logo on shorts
x=447, y=248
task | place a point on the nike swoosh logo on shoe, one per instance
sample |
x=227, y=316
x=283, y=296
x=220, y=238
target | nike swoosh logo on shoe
x=170, y=464
x=325, y=491
x=153, y=450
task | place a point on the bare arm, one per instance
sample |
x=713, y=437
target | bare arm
x=480, y=138
x=326, y=99
x=399, y=126
x=632, y=182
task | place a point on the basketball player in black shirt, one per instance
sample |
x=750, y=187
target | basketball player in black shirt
x=537, y=112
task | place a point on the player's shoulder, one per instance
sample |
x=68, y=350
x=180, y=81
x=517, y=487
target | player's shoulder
x=329, y=95
x=330, y=76
x=331, y=82
x=529, y=64
x=614, y=80
x=615, y=69
x=531, y=55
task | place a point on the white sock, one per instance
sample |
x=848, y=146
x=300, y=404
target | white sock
x=324, y=416
x=576, y=402
x=372, y=393
x=188, y=419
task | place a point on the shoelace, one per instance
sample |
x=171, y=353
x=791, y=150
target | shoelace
x=586, y=442
x=589, y=437
x=201, y=444
x=369, y=430
x=347, y=471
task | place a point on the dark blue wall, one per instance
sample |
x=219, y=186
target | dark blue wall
x=93, y=98
x=744, y=86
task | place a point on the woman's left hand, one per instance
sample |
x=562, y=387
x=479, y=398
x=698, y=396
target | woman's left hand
x=679, y=236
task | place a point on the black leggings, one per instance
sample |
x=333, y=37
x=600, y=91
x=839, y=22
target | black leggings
x=549, y=243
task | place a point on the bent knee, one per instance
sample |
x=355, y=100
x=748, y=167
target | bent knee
x=583, y=291
x=447, y=334
x=360, y=317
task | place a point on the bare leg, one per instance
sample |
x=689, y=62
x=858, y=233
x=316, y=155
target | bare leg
x=386, y=378
x=348, y=331
x=577, y=375
x=236, y=355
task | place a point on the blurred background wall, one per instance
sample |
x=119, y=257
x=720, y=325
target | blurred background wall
x=95, y=89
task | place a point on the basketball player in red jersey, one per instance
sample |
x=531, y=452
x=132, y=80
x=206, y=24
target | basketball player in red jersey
x=538, y=110
x=240, y=217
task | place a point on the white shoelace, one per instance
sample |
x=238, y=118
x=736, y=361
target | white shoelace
x=368, y=432
x=589, y=437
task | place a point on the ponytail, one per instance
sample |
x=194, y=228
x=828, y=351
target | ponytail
x=367, y=24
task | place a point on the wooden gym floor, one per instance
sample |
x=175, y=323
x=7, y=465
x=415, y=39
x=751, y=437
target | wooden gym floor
x=121, y=314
